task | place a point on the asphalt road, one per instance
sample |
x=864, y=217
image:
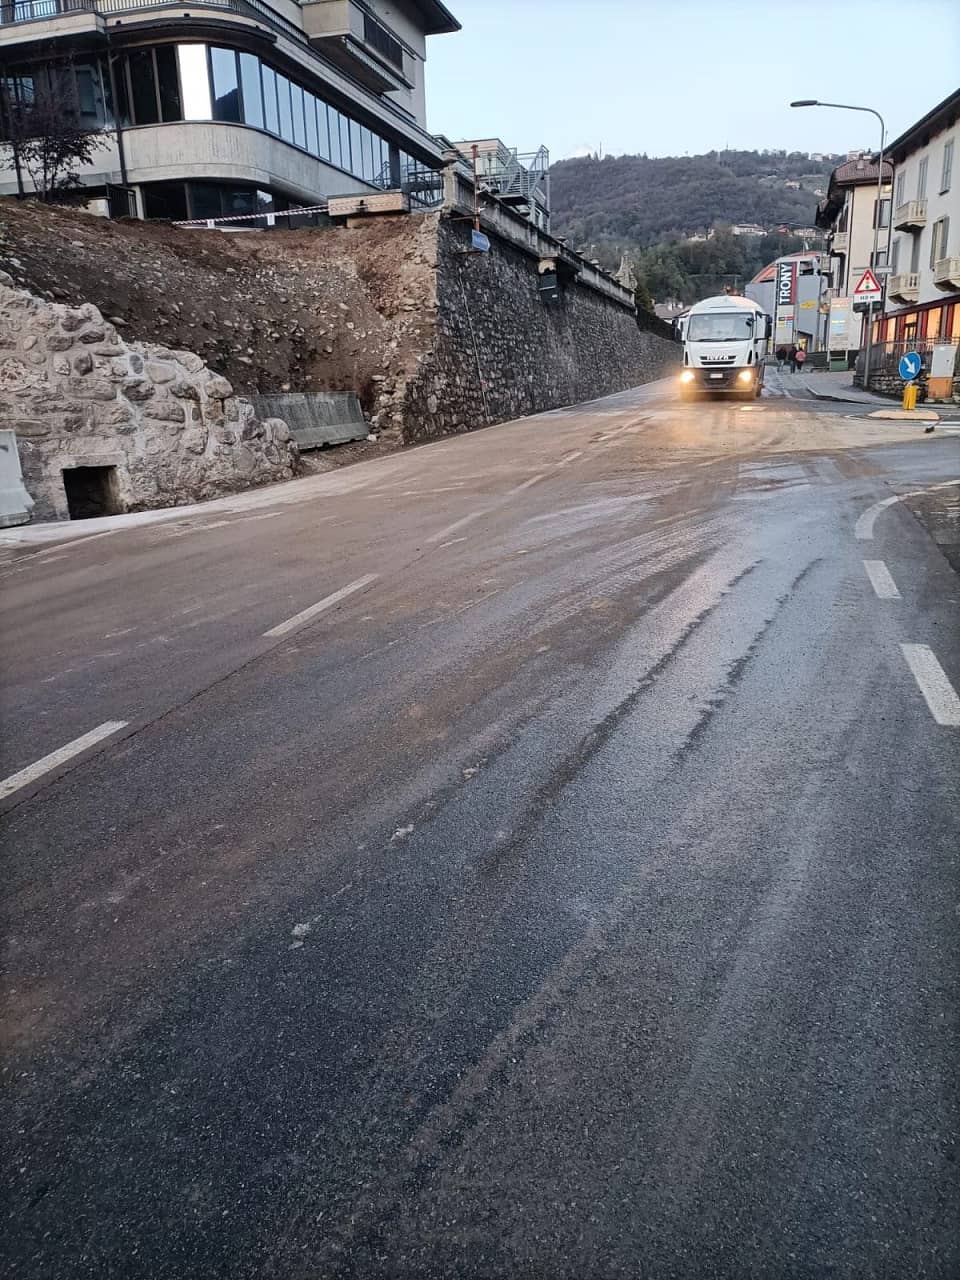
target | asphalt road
x=572, y=894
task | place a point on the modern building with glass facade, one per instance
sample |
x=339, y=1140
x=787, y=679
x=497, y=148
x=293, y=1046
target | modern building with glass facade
x=233, y=107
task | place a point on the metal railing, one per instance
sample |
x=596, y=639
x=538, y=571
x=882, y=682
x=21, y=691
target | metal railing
x=885, y=358
x=44, y=10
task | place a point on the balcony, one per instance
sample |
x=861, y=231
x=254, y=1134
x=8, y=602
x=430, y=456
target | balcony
x=911, y=216
x=906, y=287
x=946, y=273
x=840, y=242
x=357, y=42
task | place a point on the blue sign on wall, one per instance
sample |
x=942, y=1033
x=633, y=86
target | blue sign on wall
x=911, y=362
x=480, y=242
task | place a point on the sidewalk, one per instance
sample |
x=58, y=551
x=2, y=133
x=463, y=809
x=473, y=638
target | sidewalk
x=817, y=385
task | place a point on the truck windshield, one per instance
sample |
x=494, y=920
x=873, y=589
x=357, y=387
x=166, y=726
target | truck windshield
x=720, y=326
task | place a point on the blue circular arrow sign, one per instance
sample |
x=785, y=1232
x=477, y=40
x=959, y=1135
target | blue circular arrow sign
x=911, y=363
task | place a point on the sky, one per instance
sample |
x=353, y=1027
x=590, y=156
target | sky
x=675, y=77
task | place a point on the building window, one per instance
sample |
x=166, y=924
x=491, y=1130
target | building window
x=333, y=115
x=901, y=184
x=271, y=111
x=939, y=240
x=168, y=82
x=143, y=87
x=194, y=81
x=379, y=38
x=345, y=160
x=914, y=254
x=226, y=85
x=310, y=112
x=286, y=110
x=946, y=171
x=299, y=123
x=922, y=179
x=895, y=256
x=884, y=206
x=251, y=89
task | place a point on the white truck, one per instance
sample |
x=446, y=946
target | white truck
x=725, y=343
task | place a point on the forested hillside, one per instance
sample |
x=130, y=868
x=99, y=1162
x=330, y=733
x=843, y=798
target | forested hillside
x=632, y=202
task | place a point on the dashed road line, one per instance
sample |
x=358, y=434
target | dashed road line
x=525, y=485
x=452, y=528
x=307, y=615
x=32, y=772
x=938, y=692
x=881, y=579
x=863, y=529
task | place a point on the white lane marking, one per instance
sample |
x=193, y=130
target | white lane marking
x=526, y=485
x=475, y=515
x=940, y=695
x=416, y=493
x=452, y=543
x=56, y=758
x=863, y=529
x=881, y=579
x=457, y=524
x=570, y=457
x=305, y=615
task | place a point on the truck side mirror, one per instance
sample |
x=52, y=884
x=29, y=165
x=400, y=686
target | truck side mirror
x=769, y=320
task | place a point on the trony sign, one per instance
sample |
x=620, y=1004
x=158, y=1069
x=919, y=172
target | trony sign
x=786, y=283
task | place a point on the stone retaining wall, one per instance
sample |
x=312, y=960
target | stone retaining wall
x=78, y=395
x=499, y=352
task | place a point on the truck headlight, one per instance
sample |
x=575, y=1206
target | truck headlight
x=745, y=375
x=687, y=376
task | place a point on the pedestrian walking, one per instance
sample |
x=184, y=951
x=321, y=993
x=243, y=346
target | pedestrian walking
x=781, y=354
x=801, y=359
x=792, y=357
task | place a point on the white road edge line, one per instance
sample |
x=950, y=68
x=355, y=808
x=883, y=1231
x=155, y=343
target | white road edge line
x=305, y=615
x=863, y=529
x=939, y=693
x=56, y=758
x=881, y=579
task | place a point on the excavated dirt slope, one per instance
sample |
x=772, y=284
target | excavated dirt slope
x=311, y=310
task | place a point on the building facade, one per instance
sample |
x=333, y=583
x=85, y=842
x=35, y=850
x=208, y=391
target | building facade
x=923, y=291
x=230, y=107
x=851, y=212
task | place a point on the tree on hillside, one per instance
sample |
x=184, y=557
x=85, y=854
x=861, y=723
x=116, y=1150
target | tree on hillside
x=44, y=130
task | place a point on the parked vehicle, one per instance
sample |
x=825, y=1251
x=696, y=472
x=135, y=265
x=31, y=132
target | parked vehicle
x=725, y=342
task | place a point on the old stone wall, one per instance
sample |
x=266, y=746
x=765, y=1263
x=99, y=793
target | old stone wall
x=500, y=352
x=79, y=396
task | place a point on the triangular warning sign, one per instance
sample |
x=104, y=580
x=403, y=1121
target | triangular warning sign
x=868, y=283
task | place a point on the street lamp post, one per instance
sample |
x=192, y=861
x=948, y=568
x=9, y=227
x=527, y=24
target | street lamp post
x=846, y=106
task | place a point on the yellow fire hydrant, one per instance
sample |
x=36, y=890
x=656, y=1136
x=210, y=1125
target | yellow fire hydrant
x=910, y=395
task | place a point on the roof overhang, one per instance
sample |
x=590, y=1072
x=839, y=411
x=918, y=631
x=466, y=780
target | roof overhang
x=941, y=117
x=436, y=17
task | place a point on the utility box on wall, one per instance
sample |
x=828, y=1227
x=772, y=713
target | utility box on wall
x=549, y=288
